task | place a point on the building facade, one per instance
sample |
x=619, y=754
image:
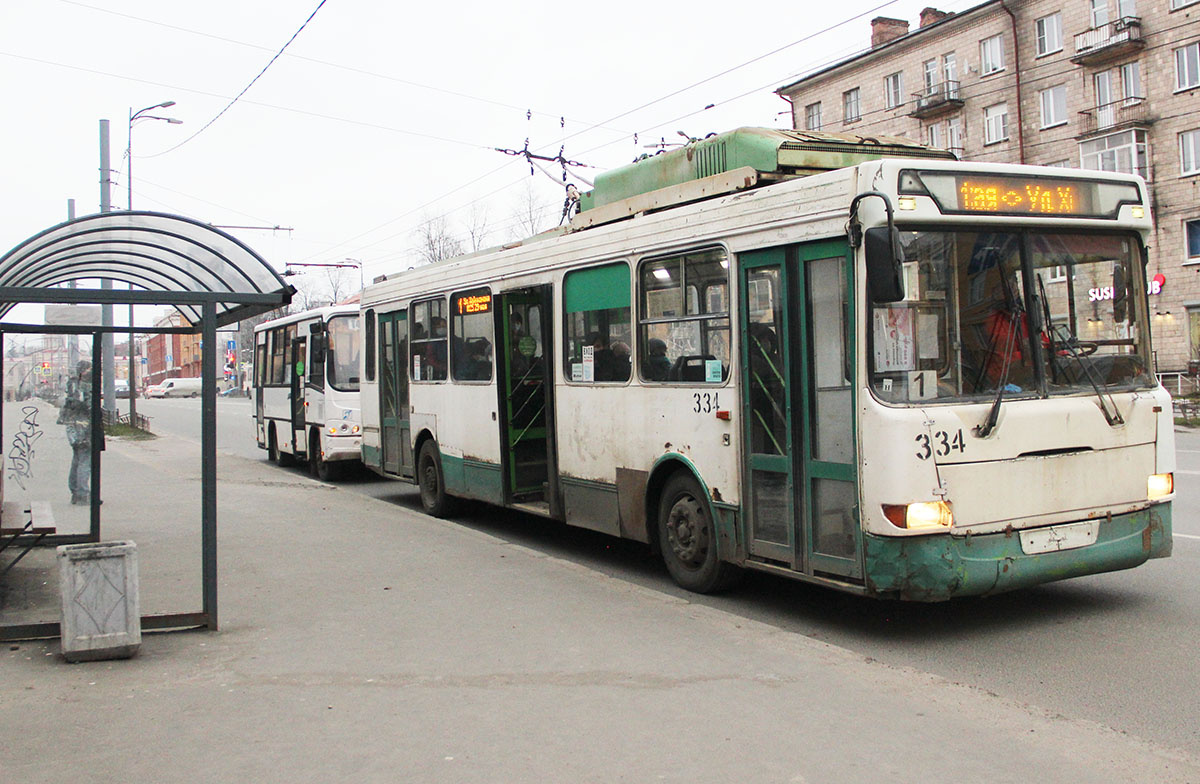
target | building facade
x=1094, y=84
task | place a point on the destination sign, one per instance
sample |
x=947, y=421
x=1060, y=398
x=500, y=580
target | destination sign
x=474, y=303
x=1019, y=194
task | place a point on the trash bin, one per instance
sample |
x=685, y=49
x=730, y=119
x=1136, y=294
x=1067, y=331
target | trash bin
x=99, y=585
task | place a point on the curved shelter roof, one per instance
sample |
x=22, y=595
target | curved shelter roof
x=167, y=259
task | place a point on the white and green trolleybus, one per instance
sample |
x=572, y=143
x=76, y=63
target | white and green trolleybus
x=852, y=362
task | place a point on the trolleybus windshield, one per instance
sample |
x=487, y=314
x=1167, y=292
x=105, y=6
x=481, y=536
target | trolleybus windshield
x=1031, y=313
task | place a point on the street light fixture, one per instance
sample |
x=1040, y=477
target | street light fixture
x=140, y=114
x=347, y=264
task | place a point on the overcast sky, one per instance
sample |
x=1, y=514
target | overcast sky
x=379, y=115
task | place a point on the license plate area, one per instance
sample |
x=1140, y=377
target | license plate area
x=1059, y=537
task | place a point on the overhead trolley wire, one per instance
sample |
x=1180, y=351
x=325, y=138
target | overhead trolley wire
x=247, y=87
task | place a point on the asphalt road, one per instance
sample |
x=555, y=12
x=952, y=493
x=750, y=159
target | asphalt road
x=1118, y=649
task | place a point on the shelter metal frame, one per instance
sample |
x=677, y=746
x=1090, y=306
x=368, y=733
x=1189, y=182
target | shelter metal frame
x=230, y=282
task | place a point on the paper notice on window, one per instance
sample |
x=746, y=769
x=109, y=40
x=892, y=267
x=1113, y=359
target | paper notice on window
x=416, y=367
x=894, y=340
x=589, y=363
x=927, y=336
x=577, y=371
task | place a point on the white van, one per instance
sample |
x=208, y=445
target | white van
x=177, y=387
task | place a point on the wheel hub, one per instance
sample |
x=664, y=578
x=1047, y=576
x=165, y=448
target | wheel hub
x=687, y=532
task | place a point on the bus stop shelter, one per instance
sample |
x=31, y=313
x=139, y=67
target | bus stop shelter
x=210, y=277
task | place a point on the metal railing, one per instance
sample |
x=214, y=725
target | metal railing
x=1126, y=111
x=113, y=417
x=937, y=94
x=1119, y=31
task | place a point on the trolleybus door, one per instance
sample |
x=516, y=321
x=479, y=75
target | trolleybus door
x=298, y=372
x=393, y=393
x=798, y=408
x=526, y=396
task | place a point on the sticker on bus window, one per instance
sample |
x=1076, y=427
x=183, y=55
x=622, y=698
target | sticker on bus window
x=577, y=371
x=922, y=385
x=589, y=364
x=417, y=367
x=712, y=371
x=894, y=340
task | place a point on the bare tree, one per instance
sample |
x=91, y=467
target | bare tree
x=530, y=214
x=435, y=242
x=339, y=282
x=477, y=225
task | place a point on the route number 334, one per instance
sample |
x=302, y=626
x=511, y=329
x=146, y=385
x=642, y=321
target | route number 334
x=940, y=443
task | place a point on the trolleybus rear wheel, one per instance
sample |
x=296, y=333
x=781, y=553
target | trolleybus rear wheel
x=688, y=538
x=429, y=479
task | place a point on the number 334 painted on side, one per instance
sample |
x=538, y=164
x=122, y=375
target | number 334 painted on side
x=942, y=444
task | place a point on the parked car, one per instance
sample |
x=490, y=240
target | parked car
x=122, y=388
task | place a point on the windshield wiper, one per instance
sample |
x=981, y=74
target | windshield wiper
x=1071, y=344
x=983, y=429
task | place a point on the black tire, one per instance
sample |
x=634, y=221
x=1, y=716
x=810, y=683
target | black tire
x=272, y=445
x=434, y=500
x=318, y=466
x=282, y=459
x=688, y=538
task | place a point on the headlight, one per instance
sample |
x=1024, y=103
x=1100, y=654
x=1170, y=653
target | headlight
x=921, y=515
x=1159, y=486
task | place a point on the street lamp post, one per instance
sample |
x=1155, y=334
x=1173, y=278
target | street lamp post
x=140, y=114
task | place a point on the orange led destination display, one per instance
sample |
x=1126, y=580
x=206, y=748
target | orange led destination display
x=475, y=303
x=1039, y=198
x=993, y=193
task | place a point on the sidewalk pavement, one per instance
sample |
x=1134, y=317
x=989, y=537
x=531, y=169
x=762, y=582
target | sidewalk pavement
x=362, y=641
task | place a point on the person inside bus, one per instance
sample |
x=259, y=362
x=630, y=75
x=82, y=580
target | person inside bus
x=658, y=366
x=602, y=356
x=478, y=363
x=621, y=360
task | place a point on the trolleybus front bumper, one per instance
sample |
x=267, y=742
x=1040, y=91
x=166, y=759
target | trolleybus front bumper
x=943, y=566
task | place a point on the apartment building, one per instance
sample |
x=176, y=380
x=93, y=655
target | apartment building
x=1094, y=84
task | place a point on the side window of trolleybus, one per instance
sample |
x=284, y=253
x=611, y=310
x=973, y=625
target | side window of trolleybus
x=989, y=312
x=471, y=335
x=427, y=344
x=684, y=318
x=598, y=332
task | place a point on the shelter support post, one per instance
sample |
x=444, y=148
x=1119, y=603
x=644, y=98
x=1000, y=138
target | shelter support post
x=208, y=450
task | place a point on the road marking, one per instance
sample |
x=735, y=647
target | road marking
x=1189, y=451
x=1186, y=536
x=1181, y=471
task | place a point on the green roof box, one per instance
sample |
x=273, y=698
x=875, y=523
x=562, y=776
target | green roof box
x=775, y=153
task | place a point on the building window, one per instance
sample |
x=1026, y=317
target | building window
x=1131, y=83
x=893, y=90
x=950, y=71
x=929, y=72
x=954, y=135
x=1126, y=9
x=1187, y=67
x=1192, y=230
x=1182, y=3
x=1054, y=106
x=1048, y=31
x=1119, y=152
x=851, y=107
x=1189, y=152
x=991, y=55
x=596, y=304
x=995, y=123
x=812, y=116
x=935, y=136
x=1065, y=163
x=1099, y=13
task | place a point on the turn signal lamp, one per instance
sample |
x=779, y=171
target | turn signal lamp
x=906, y=203
x=925, y=515
x=1159, y=486
x=1137, y=212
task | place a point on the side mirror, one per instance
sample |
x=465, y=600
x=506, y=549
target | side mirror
x=885, y=260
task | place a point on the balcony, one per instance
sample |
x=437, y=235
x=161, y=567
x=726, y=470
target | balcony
x=1109, y=41
x=1131, y=112
x=937, y=99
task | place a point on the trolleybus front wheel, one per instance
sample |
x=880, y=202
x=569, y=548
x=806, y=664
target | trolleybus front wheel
x=688, y=538
x=429, y=479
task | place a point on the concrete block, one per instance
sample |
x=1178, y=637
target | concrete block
x=100, y=616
